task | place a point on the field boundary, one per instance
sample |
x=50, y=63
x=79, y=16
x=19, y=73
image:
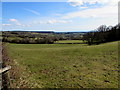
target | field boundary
x=69, y=43
x=5, y=75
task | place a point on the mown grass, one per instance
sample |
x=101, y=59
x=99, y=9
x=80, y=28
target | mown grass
x=67, y=66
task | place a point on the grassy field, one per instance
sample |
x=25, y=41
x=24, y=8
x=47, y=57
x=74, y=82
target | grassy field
x=69, y=41
x=66, y=66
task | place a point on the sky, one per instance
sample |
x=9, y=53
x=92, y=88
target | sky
x=54, y=15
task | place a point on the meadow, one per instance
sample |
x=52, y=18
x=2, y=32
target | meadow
x=64, y=65
x=69, y=41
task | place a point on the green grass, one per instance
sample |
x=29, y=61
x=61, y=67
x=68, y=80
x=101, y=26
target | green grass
x=69, y=41
x=67, y=66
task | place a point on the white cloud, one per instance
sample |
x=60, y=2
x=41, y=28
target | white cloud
x=14, y=23
x=18, y=23
x=38, y=22
x=57, y=14
x=75, y=2
x=82, y=2
x=50, y=21
x=102, y=12
x=83, y=7
x=32, y=11
x=13, y=20
x=6, y=24
x=58, y=21
x=105, y=14
x=28, y=25
x=94, y=24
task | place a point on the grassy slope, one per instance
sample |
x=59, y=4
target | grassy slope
x=74, y=65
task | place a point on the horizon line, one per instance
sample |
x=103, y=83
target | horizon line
x=46, y=30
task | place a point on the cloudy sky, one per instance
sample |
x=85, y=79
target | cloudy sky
x=54, y=15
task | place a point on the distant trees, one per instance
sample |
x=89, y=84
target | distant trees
x=28, y=37
x=102, y=34
x=29, y=40
x=39, y=37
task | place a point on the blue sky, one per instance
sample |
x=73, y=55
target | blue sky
x=70, y=15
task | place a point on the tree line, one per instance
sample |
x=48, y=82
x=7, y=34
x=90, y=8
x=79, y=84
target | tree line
x=38, y=37
x=30, y=40
x=102, y=34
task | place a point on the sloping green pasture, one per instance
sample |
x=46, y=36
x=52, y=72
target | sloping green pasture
x=66, y=65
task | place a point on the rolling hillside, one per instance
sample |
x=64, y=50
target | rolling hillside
x=63, y=65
